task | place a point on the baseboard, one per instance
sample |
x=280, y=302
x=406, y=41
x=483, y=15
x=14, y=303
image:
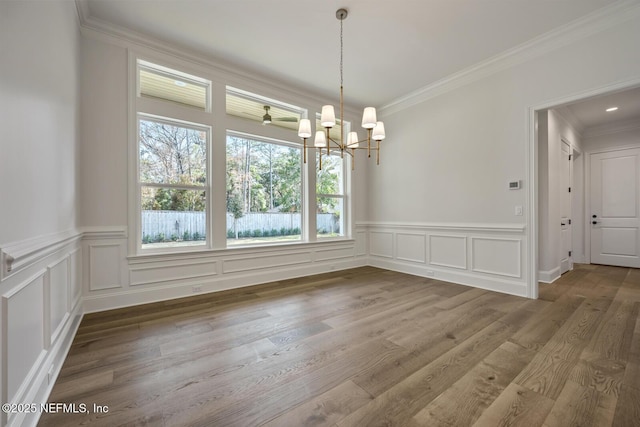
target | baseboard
x=37, y=388
x=549, y=276
x=511, y=287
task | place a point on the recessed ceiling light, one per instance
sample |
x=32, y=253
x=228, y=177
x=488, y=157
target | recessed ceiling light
x=609, y=110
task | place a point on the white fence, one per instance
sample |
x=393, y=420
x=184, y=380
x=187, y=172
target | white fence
x=190, y=225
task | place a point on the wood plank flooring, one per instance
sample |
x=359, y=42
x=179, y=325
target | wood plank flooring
x=365, y=347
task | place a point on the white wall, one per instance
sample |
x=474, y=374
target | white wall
x=38, y=117
x=40, y=258
x=103, y=154
x=454, y=153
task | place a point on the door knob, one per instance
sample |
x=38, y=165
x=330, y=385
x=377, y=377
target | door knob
x=594, y=222
x=594, y=216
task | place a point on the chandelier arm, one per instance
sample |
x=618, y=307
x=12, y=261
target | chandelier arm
x=304, y=150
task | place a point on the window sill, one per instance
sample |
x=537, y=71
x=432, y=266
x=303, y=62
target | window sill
x=246, y=249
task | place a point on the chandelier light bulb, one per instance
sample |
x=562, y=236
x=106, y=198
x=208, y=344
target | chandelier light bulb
x=320, y=140
x=369, y=118
x=378, y=132
x=328, y=117
x=304, y=130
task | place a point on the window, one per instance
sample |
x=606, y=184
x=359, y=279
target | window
x=173, y=183
x=173, y=192
x=256, y=108
x=176, y=164
x=264, y=190
x=330, y=198
x=170, y=85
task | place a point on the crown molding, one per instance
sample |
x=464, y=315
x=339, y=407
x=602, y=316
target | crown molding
x=611, y=128
x=581, y=28
x=114, y=34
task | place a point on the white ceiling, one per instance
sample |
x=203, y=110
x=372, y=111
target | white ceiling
x=590, y=113
x=391, y=48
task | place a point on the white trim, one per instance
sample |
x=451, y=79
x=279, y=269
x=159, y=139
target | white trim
x=506, y=286
x=18, y=256
x=507, y=228
x=98, y=233
x=549, y=276
x=581, y=28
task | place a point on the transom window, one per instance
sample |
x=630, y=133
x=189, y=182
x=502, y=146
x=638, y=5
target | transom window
x=258, y=108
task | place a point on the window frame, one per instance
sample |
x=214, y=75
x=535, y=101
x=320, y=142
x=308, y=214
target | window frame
x=289, y=144
x=172, y=113
x=218, y=122
x=345, y=161
x=206, y=187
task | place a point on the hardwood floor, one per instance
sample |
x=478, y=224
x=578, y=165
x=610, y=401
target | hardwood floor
x=365, y=347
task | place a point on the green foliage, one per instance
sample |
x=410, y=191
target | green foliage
x=262, y=177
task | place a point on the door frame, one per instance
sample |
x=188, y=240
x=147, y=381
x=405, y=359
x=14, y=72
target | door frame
x=531, y=157
x=571, y=152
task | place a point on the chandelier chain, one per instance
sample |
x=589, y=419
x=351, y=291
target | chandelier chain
x=341, y=50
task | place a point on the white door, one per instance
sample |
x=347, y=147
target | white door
x=615, y=208
x=565, y=208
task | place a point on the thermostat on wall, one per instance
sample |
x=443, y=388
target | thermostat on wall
x=514, y=185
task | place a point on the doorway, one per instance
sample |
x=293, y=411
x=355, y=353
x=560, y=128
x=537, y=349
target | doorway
x=592, y=122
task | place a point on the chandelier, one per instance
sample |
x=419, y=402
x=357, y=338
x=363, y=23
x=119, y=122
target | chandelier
x=323, y=140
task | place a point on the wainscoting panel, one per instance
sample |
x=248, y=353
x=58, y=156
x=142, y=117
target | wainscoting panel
x=172, y=270
x=334, y=253
x=24, y=310
x=361, y=243
x=381, y=244
x=40, y=310
x=411, y=247
x=104, y=266
x=58, y=290
x=501, y=257
x=448, y=251
x=75, y=277
x=264, y=261
x=488, y=256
